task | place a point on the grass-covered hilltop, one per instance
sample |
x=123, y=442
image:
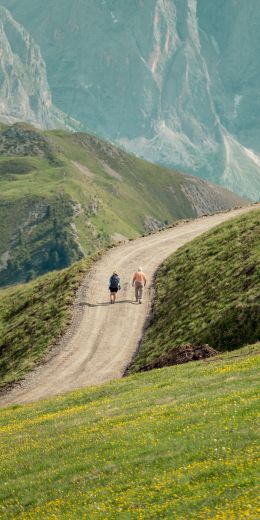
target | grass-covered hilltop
x=63, y=196
x=208, y=292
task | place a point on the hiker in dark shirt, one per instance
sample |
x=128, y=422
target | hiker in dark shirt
x=114, y=286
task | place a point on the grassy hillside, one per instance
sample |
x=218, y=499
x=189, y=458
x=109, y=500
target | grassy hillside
x=179, y=443
x=63, y=196
x=208, y=292
x=33, y=316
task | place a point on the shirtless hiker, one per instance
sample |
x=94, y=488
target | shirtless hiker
x=139, y=282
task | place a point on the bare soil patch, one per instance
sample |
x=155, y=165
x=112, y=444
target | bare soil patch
x=182, y=354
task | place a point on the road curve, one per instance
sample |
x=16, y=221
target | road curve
x=103, y=338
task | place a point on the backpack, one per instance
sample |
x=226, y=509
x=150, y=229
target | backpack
x=114, y=282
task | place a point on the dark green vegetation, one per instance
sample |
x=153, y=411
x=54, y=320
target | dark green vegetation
x=33, y=316
x=41, y=237
x=208, y=292
x=176, y=443
x=63, y=196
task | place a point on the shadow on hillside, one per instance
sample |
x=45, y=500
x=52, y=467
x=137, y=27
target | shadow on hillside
x=103, y=304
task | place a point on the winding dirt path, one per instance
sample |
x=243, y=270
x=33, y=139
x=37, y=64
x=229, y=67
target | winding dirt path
x=103, y=338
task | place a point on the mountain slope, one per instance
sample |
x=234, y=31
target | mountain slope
x=165, y=78
x=64, y=196
x=208, y=292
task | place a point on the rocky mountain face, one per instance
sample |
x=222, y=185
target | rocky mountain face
x=24, y=90
x=174, y=81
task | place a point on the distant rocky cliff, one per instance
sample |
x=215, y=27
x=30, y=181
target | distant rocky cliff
x=175, y=81
x=24, y=90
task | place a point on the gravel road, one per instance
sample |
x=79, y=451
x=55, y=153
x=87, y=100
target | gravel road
x=103, y=337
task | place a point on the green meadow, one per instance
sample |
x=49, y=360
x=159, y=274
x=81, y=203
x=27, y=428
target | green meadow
x=179, y=442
